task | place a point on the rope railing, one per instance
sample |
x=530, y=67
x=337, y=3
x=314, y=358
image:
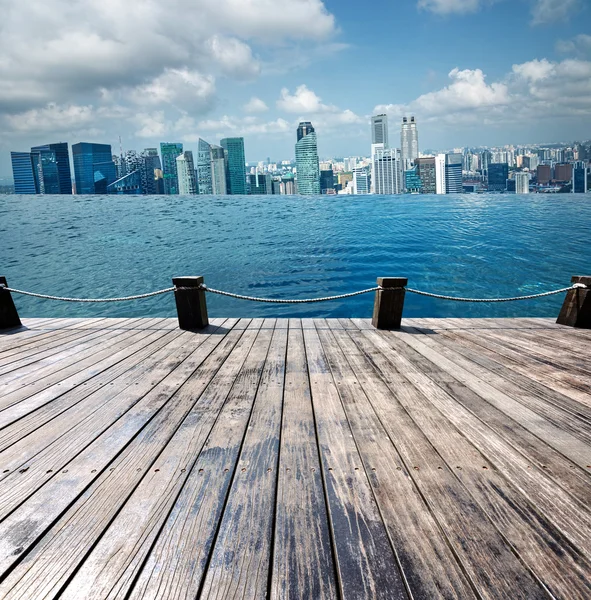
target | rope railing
x=65, y=299
x=190, y=293
x=293, y=300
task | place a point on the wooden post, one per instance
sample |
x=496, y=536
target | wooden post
x=8, y=315
x=190, y=303
x=389, y=302
x=576, y=310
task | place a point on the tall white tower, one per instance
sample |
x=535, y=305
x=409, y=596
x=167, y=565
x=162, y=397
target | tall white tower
x=409, y=143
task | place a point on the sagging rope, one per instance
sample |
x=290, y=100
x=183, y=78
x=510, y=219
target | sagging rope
x=293, y=301
x=62, y=299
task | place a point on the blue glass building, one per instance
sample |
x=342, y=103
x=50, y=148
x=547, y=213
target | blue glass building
x=53, y=167
x=453, y=173
x=22, y=173
x=94, y=169
x=235, y=165
x=169, y=152
x=579, y=183
x=307, y=164
x=498, y=173
x=412, y=181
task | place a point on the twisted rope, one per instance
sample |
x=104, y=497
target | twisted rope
x=62, y=299
x=301, y=301
x=513, y=299
x=278, y=301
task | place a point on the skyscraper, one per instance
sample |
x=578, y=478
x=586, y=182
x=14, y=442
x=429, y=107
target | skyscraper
x=522, y=183
x=379, y=130
x=22, y=173
x=218, y=171
x=409, y=143
x=498, y=173
x=579, y=181
x=440, y=187
x=387, y=174
x=426, y=171
x=307, y=165
x=235, y=165
x=204, y=180
x=54, y=173
x=327, y=181
x=453, y=174
x=150, y=163
x=94, y=169
x=304, y=128
x=169, y=152
x=361, y=180
x=185, y=167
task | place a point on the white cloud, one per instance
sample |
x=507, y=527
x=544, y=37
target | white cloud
x=531, y=91
x=467, y=92
x=579, y=45
x=550, y=11
x=52, y=117
x=303, y=101
x=234, y=57
x=446, y=7
x=179, y=87
x=255, y=105
x=161, y=57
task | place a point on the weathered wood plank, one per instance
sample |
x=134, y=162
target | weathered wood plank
x=430, y=568
x=112, y=567
x=240, y=559
x=531, y=511
x=303, y=565
x=33, y=514
x=178, y=561
x=366, y=563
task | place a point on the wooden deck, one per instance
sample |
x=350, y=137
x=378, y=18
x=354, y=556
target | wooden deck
x=301, y=459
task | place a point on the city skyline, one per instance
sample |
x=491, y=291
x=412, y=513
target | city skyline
x=256, y=70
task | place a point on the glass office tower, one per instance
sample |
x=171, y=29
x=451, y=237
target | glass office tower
x=235, y=165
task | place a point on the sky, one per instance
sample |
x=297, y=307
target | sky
x=472, y=72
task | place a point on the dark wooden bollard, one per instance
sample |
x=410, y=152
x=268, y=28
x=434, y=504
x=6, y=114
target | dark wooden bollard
x=389, y=302
x=8, y=315
x=190, y=303
x=576, y=310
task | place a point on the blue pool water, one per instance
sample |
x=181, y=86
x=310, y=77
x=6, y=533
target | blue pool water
x=294, y=247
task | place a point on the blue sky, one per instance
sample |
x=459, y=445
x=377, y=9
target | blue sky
x=473, y=72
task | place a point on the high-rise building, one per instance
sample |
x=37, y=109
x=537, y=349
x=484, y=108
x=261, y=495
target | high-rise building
x=379, y=130
x=544, y=174
x=327, y=181
x=307, y=165
x=304, y=128
x=204, y=176
x=53, y=164
x=22, y=173
x=288, y=187
x=218, y=171
x=409, y=142
x=579, y=182
x=426, y=172
x=150, y=163
x=563, y=172
x=412, y=181
x=498, y=173
x=453, y=173
x=387, y=172
x=522, y=183
x=440, y=181
x=169, y=152
x=235, y=165
x=260, y=184
x=361, y=181
x=94, y=169
x=185, y=167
